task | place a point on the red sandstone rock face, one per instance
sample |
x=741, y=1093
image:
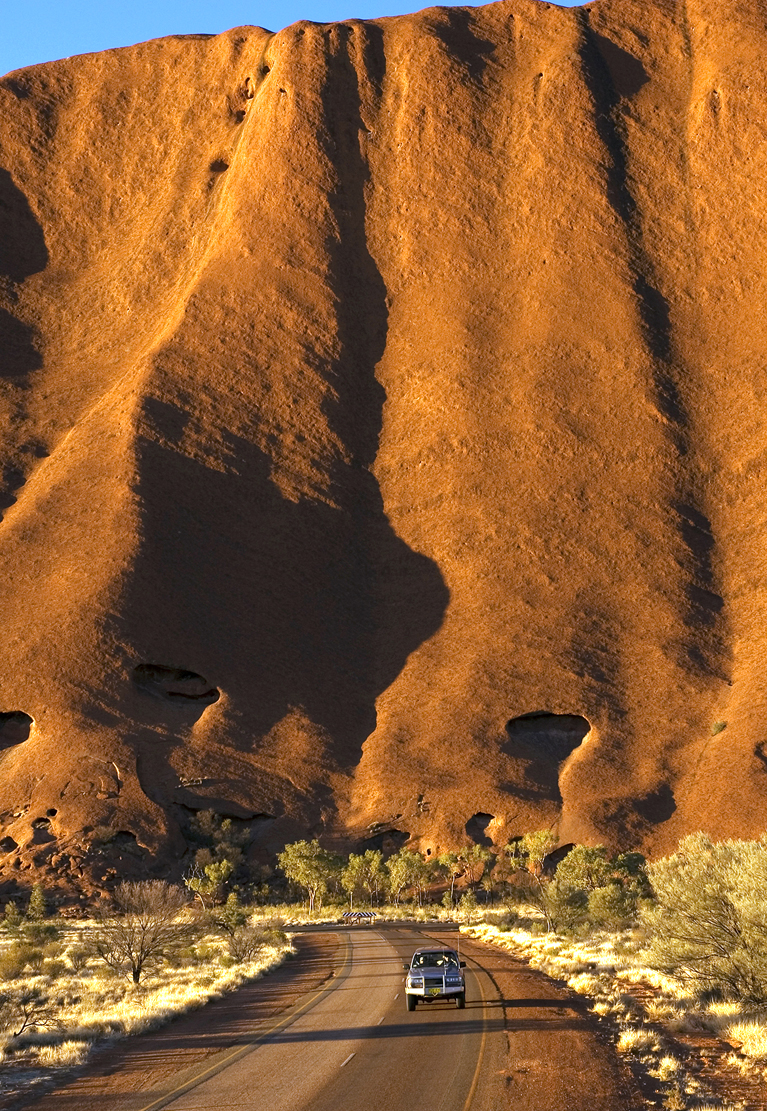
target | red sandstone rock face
x=367, y=388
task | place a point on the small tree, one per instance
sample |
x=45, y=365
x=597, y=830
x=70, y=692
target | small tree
x=527, y=855
x=449, y=863
x=310, y=866
x=150, y=923
x=231, y=916
x=12, y=916
x=707, y=925
x=37, y=910
x=468, y=905
x=472, y=860
x=398, y=871
x=565, y=906
x=353, y=876
x=209, y=882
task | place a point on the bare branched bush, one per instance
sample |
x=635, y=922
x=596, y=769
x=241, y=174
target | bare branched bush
x=152, y=920
x=26, y=1009
x=246, y=942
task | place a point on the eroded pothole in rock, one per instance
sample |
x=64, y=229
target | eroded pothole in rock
x=174, y=684
x=15, y=727
x=544, y=741
x=542, y=735
x=476, y=829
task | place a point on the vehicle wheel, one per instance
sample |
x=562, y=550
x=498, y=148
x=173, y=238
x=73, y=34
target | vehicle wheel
x=460, y=1001
x=411, y=1002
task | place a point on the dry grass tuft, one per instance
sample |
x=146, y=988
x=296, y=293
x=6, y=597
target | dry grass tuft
x=88, y=1002
x=752, y=1036
x=635, y=1040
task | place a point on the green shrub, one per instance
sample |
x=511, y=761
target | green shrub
x=585, y=868
x=708, y=926
x=566, y=907
x=613, y=906
x=40, y=933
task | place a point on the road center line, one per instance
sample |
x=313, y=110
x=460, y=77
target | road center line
x=348, y=1059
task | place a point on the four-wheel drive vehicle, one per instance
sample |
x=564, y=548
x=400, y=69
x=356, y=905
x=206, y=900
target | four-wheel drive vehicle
x=435, y=974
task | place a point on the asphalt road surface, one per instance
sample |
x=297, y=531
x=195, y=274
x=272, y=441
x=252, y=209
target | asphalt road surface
x=350, y=1043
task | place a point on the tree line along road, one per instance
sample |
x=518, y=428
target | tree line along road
x=521, y=1042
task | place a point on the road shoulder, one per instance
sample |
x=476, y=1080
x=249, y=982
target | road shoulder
x=123, y=1076
x=557, y=1056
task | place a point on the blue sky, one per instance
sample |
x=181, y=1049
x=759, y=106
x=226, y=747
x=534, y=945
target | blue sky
x=33, y=31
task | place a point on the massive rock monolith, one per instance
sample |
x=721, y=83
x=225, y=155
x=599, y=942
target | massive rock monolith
x=381, y=435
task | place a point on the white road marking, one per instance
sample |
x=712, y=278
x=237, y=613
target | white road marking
x=348, y=1059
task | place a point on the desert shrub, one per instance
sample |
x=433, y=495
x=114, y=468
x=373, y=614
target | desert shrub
x=79, y=957
x=613, y=906
x=24, y=1009
x=246, y=942
x=53, y=968
x=502, y=920
x=565, y=906
x=151, y=922
x=11, y=965
x=707, y=926
x=27, y=956
x=40, y=933
x=611, y=888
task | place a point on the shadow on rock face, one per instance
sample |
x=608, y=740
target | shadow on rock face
x=22, y=243
x=22, y=253
x=476, y=829
x=285, y=602
x=289, y=604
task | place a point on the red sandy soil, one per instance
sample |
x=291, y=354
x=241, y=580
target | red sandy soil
x=366, y=387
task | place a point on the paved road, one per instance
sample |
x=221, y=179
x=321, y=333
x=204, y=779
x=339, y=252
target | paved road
x=358, y=1046
x=350, y=1043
